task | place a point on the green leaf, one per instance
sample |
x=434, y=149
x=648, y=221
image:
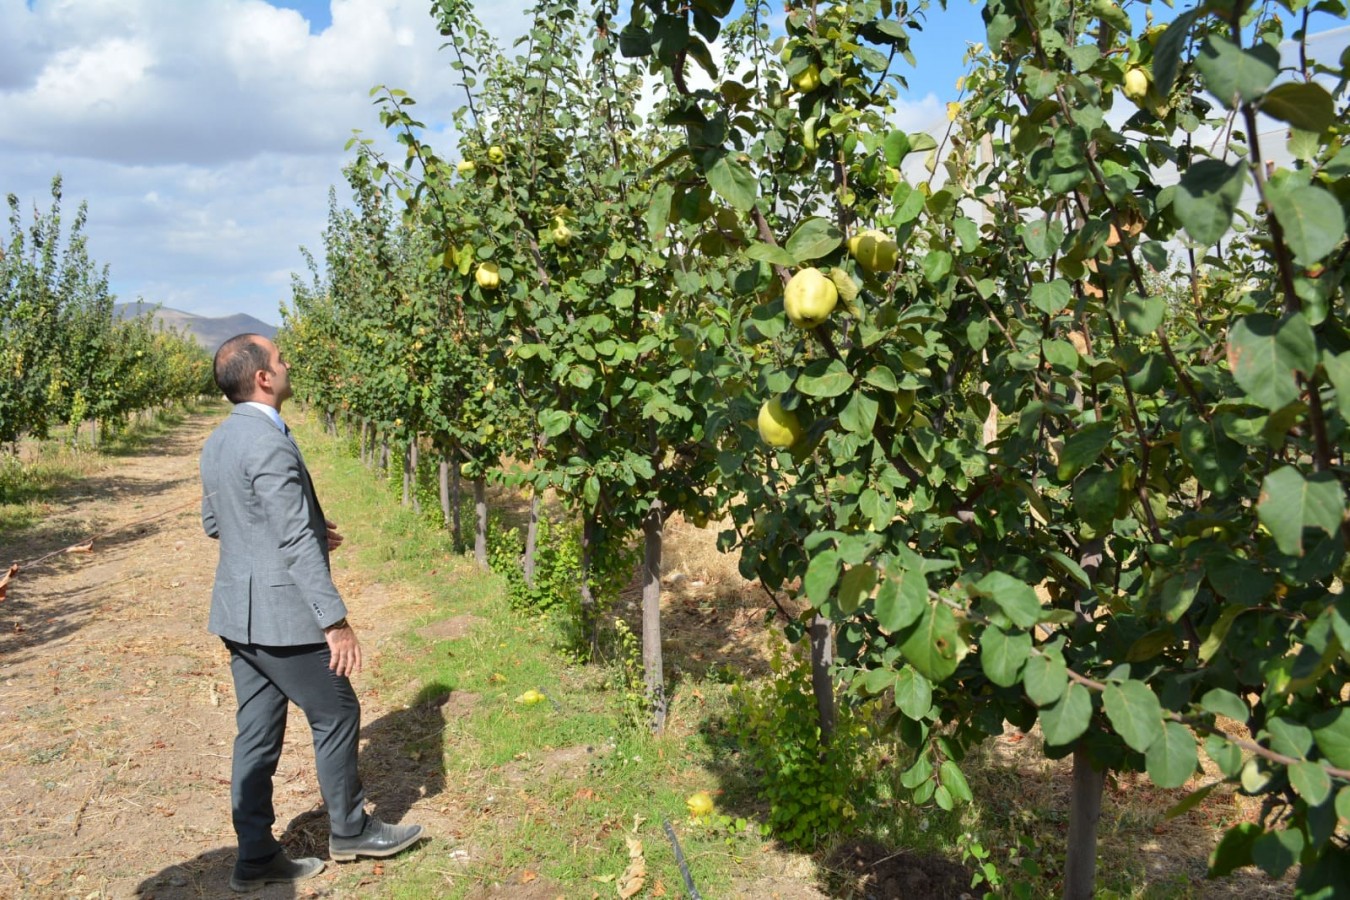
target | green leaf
x=824, y=378
x=908, y=202
x=913, y=694
x=1206, y=197
x=1233, y=74
x=902, y=599
x=1338, y=370
x=1290, y=503
x=1143, y=315
x=821, y=574
x=954, y=781
x=1226, y=755
x=1312, y=219
x=733, y=182
x=813, y=238
x=882, y=377
x=554, y=422
x=856, y=586
x=1343, y=805
x=1167, y=52
x=1225, y=703
x=1264, y=354
x=1289, y=738
x=1333, y=737
x=1178, y=592
x=1016, y=598
x=1311, y=782
x=1134, y=712
x=1046, y=677
x=1214, y=640
x=860, y=415
x=934, y=646
x=1306, y=105
x=770, y=254
x=1172, y=758
x=1214, y=457
x=1190, y=801
x=1082, y=448
x=1003, y=655
x=895, y=148
x=1051, y=297
x=1276, y=851
x=937, y=265
x=1065, y=721
x=1096, y=496
x=967, y=232
x=1042, y=238
x=1234, y=850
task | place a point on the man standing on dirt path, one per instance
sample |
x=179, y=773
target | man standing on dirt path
x=275, y=606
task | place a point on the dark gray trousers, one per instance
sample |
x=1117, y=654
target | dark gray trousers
x=265, y=680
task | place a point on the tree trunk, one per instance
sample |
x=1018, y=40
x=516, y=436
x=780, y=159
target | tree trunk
x=445, y=490
x=532, y=537
x=1085, y=809
x=822, y=656
x=590, y=615
x=407, y=473
x=414, y=454
x=365, y=434
x=653, y=527
x=480, y=522
x=456, y=530
x=384, y=453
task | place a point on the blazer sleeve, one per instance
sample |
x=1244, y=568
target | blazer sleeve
x=279, y=484
x=209, y=517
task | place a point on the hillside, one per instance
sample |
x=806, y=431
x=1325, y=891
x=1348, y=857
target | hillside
x=210, y=333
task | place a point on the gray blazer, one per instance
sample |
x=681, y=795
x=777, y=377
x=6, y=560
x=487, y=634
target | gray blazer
x=273, y=586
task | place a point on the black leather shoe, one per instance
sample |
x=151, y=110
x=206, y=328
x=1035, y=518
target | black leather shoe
x=280, y=869
x=376, y=839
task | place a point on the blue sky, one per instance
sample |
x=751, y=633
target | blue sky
x=205, y=135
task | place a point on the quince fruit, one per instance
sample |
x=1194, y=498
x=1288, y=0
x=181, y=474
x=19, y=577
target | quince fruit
x=488, y=276
x=466, y=167
x=809, y=298
x=808, y=79
x=562, y=235
x=778, y=427
x=496, y=155
x=874, y=251
x=700, y=804
x=1136, y=83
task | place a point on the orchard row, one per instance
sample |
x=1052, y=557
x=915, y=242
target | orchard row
x=1043, y=421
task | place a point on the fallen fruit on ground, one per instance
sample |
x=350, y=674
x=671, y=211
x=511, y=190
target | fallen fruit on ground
x=700, y=804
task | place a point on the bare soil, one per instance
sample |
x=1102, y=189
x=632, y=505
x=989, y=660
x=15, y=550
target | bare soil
x=116, y=708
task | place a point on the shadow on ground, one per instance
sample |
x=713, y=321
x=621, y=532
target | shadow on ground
x=401, y=763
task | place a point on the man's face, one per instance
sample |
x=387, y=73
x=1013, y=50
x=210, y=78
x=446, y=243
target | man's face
x=280, y=373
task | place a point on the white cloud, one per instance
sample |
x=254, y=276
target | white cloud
x=205, y=135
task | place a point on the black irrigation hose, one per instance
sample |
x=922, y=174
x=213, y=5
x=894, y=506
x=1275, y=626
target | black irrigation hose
x=679, y=859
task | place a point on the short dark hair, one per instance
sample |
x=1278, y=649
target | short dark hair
x=237, y=361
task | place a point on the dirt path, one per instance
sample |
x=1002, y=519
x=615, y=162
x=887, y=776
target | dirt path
x=116, y=711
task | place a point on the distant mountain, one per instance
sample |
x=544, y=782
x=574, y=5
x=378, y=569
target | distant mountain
x=209, y=333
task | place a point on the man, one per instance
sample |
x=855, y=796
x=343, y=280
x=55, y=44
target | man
x=275, y=606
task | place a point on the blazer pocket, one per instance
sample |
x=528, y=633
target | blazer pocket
x=281, y=579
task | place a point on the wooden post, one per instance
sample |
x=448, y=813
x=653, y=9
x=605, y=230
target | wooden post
x=653, y=527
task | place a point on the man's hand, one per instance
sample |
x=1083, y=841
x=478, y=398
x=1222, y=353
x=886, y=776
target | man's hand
x=344, y=649
x=334, y=538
